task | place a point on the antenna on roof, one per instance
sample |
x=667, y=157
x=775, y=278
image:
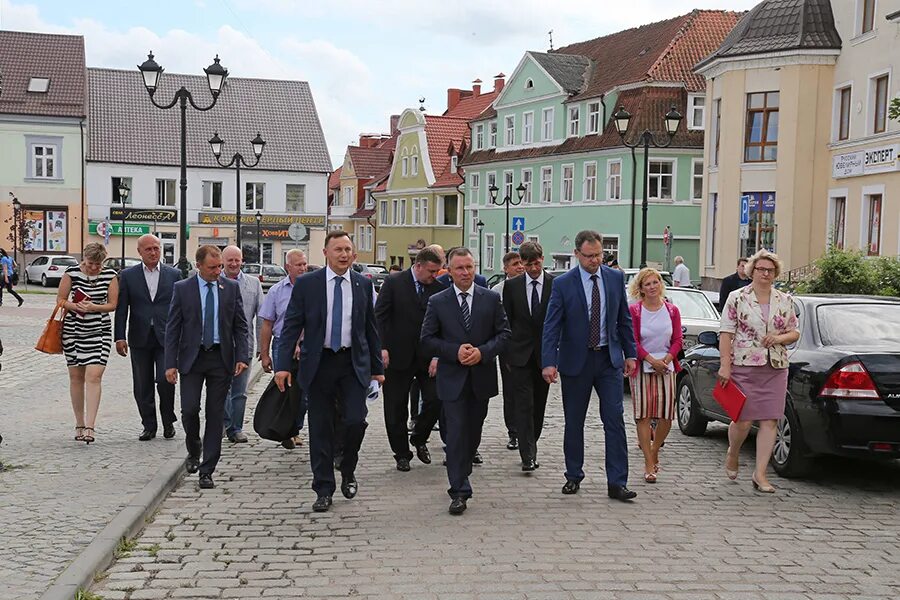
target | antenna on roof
x=422, y=104
x=550, y=33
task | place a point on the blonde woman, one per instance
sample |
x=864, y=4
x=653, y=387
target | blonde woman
x=87, y=333
x=657, y=331
x=758, y=324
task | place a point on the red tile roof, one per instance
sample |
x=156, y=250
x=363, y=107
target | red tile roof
x=368, y=162
x=444, y=135
x=334, y=180
x=471, y=107
x=363, y=213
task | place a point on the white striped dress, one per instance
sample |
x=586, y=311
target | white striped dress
x=87, y=339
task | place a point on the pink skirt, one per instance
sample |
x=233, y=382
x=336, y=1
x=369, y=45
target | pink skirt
x=765, y=388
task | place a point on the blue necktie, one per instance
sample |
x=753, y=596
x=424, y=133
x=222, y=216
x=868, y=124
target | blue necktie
x=464, y=307
x=337, y=307
x=209, y=317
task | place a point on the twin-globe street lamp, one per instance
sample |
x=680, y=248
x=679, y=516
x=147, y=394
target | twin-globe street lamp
x=520, y=193
x=215, y=75
x=123, y=196
x=622, y=119
x=258, y=144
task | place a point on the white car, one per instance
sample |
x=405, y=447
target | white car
x=48, y=269
x=698, y=313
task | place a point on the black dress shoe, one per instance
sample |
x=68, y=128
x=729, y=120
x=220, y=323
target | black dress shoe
x=458, y=506
x=288, y=444
x=403, y=464
x=477, y=460
x=571, y=486
x=206, y=481
x=322, y=504
x=621, y=493
x=147, y=435
x=529, y=465
x=192, y=464
x=349, y=487
x=423, y=454
x=168, y=431
x=513, y=443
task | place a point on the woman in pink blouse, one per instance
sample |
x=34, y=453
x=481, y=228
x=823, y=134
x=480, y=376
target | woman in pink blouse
x=758, y=324
x=657, y=331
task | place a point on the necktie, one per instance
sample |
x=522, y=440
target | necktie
x=464, y=307
x=209, y=317
x=420, y=292
x=594, y=336
x=535, y=299
x=337, y=307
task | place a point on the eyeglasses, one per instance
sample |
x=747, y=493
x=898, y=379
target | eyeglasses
x=764, y=270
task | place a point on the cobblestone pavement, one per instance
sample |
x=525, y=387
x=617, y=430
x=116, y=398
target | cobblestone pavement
x=693, y=535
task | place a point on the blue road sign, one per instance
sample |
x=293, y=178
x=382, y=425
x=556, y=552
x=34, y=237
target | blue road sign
x=518, y=238
x=518, y=224
x=745, y=210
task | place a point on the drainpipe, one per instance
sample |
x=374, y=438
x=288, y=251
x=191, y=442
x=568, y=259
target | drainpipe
x=603, y=104
x=83, y=224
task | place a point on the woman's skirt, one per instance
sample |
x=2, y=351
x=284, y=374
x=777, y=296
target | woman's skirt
x=765, y=388
x=653, y=395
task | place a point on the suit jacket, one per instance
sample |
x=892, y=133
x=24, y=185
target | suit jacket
x=527, y=329
x=138, y=311
x=567, y=326
x=443, y=332
x=307, y=312
x=399, y=314
x=184, y=329
x=479, y=280
x=729, y=284
x=252, y=298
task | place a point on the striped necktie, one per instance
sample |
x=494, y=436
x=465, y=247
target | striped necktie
x=464, y=307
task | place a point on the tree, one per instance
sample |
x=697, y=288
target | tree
x=894, y=109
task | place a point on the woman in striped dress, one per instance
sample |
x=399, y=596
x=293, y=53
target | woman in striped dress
x=657, y=331
x=87, y=333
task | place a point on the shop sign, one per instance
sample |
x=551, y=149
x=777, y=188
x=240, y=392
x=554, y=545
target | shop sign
x=115, y=229
x=866, y=162
x=161, y=215
x=215, y=218
x=275, y=232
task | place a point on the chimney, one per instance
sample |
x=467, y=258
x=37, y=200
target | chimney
x=369, y=140
x=454, y=95
x=395, y=121
x=476, y=88
x=499, y=81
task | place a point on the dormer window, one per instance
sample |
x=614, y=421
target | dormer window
x=529, y=84
x=454, y=163
x=39, y=85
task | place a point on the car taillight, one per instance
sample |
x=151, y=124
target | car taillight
x=53, y=268
x=850, y=381
x=261, y=278
x=369, y=275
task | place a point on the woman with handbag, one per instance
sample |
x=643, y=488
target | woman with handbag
x=657, y=331
x=757, y=324
x=89, y=293
x=8, y=277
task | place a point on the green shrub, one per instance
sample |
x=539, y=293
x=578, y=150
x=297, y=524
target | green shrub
x=887, y=276
x=842, y=272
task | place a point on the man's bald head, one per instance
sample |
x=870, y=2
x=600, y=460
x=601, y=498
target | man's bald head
x=232, y=259
x=149, y=248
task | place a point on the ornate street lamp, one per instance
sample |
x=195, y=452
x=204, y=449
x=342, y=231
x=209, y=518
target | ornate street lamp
x=215, y=77
x=123, y=196
x=258, y=144
x=258, y=242
x=520, y=193
x=480, y=226
x=622, y=120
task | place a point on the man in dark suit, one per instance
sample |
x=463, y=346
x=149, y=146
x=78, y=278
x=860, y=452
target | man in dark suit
x=735, y=281
x=399, y=312
x=525, y=299
x=466, y=328
x=145, y=292
x=206, y=341
x=588, y=339
x=340, y=355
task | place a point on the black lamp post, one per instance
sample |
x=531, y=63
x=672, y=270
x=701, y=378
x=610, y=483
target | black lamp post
x=258, y=242
x=480, y=226
x=237, y=160
x=215, y=75
x=520, y=193
x=622, y=119
x=18, y=218
x=123, y=196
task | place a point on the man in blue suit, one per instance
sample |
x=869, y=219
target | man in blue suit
x=206, y=341
x=465, y=327
x=588, y=339
x=340, y=355
x=145, y=292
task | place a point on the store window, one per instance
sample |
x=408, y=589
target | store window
x=46, y=230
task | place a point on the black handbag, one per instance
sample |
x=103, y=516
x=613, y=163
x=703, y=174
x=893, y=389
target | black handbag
x=276, y=412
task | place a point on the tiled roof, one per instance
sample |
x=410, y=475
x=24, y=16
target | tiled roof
x=60, y=58
x=778, y=25
x=441, y=132
x=363, y=213
x=368, y=162
x=127, y=128
x=471, y=107
x=334, y=180
x=570, y=71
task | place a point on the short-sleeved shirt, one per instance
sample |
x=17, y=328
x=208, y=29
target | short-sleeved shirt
x=10, y=265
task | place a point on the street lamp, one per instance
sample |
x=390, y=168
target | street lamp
x=18, y=218
x=622, y=119
x=520, y=193
x=123, y=196
x=215, y=77
x=237, y=160
x=480, y=226
x=258, y=242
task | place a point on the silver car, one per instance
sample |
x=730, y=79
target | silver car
x=698, y=314
x=48, y=269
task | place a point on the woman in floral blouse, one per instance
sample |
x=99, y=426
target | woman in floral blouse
x=757, y=324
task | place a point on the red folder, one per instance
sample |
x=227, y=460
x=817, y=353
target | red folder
x=731, y=398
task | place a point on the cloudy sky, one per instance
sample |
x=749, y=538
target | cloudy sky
x=364, y=59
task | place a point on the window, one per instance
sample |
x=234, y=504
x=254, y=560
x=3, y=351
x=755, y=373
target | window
x=508, y=185
x=527, y=127
x=381, y=254
x=43, y=159
x=546, y=184
x=267, y=253
x=526, y=181
x=880, y=87
x=415, y=211
x=492, y=137
x=475, y=187
x=39, y=85
x=364, y=236
x=717, y=127
x=697, y=180
x=116, y=182
x=473, y=225
x=574, y=114
x=529, y=84
x=611, y=246
x=423, y=211
x=510, y=128
x=402, y=220
x=594, y=117
x=568, y=183
x=838, y=222
x=844, y=98
x=384, y=214
x=873, y=227
x=348, y=196
x=489, y=251
x=696, y=108
x=449, y=211
x=660, y=179
x=590, y=181
x=479, y=136
x=867, y=21
x=491, y=182
x=414, y=165
x=712, y=210
x=404, y=166
x=761, y=144
x=45, y=230
x=255, y=196
x=547, y=124
x=295, y=198
x=395, y=211
x=454, y=163
x=614, y=180
x=212, y=194
x=165, y=192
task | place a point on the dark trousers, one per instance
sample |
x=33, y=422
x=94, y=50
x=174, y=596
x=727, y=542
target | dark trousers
x=9, y=288
x=414, y=399
x=335, y=382
x=397, y=383
x=600, y=375
x=463, y=421
x=509, y=400
x=301, y=414
x=147, y=373
x=211, y=370
x=530, y=391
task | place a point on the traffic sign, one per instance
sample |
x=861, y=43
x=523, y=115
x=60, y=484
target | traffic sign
x=518, y=224
x=744, y=231
x=518, y=238
x=745, y=210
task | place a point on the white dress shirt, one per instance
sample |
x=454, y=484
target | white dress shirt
x=346, y=311
x=529, y=287
x=151, y=276
x=459, y=298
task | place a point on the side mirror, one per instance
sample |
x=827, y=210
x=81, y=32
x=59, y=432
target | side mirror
x=708, y=338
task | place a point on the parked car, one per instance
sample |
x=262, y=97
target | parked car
x=843, y=394
x=48, y=269
x=115, y=262
x=377, y=273
x=697, y=313
x=268, y=275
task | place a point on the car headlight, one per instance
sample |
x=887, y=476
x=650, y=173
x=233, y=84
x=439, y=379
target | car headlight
x=689, y=342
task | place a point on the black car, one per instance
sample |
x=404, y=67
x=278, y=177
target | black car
x=843, y=394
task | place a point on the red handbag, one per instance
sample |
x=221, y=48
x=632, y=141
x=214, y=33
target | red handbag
x=50, y=341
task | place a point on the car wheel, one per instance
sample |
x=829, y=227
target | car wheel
x=44, y=281
x=790, y=455
x=690, y=420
